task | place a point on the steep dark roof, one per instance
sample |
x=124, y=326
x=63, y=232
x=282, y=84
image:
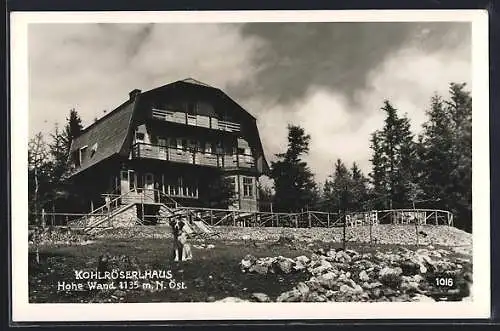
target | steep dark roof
x=111, y=132
x=108, y=134
x=195, y=82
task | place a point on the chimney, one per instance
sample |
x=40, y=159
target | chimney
x=134, y=93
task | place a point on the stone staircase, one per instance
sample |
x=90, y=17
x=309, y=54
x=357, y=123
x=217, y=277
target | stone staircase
x=116, y=214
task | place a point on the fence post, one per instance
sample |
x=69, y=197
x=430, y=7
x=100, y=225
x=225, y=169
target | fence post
x=436, y=217
x=344, y=230
x=416, y=232
x=328, y=220
x=370, y=224
x=309, y=218
x=211, y=217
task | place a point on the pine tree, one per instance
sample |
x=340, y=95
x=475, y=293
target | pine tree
x=359, y=188
x=460, y=108
x=445, y=151
x=393, y=161
x=338, y=191
x=61, y=144
x=379, y=196
x=62, y=193
x=266, y=197
x=73, y=127
x=294, y=184
x=436, y=159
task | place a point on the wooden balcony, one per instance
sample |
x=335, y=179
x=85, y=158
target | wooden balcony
x=195, y=120
x=149, y=151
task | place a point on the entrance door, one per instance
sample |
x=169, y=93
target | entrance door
x=149, y=185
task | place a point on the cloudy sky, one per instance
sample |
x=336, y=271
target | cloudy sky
x=331, y=78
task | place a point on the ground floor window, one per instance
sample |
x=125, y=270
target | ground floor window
x=170, y=184
x=248, y=187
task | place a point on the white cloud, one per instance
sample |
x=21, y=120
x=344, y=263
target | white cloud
x=341, y=129
x=84, y=67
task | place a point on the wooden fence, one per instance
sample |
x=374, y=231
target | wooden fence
x=306, y=219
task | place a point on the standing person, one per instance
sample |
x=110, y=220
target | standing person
x=107, y=200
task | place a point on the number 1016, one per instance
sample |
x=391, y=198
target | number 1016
x=444, y=281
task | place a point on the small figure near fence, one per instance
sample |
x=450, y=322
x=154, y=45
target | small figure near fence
x=107, y=201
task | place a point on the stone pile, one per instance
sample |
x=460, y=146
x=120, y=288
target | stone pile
x=57, y=236
x=337, y=275
x=381, y=234
x=137, y=232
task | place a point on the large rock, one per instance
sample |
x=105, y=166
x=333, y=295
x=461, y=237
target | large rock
x=328, y=280
x=231, y=300
x=390, y=271
x=284, y=265
x=247, y=262
x=342, y=257
x=293, y=295
x=323, y=267
x=391, y=276
x=408, y=285
x=299, y=266
x=303, y=289
x=259, y=268
x=422, y=298
x=260, y=297
x=267, y=262
x=363, y=276
x=410, y=267
x=316, y=297
x=346, y=289
x=315, y=286
x=303, y=259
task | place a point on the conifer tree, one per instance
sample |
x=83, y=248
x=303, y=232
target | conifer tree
x=295, y=188
x=393, y=161
x=445, y=153
x=359, y=188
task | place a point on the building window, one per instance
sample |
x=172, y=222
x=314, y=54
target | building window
x=93, y=150
x=76, y=158
x=139, y=137
x=248, y=187
x=219, y=149
x=208, y=147
x=83, y=152
x=180, y=143
x=192, y=145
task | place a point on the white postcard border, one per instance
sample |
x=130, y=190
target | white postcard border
x=22, y=310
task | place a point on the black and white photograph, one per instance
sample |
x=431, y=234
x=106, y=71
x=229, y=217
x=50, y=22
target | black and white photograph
x=250, y=161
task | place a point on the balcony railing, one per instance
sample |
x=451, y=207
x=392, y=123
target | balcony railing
x=195, y=120
x=180, y=155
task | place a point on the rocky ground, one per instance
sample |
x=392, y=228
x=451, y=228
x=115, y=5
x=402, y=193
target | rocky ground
x=451, y=237
x=264, y=264
x=426, y=274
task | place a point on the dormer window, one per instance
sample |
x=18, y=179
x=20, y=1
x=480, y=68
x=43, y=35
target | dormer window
x=76, y=158
x=93, y=150
x=83, y=152
x=139, y=137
